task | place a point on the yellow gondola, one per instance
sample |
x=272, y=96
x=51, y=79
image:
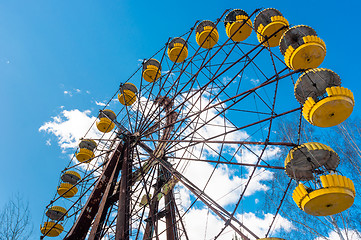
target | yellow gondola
x=302, y=160
x=86, y=151
x=330, y=111
x=313, y=83
x=336, y=195
x=51, y=229
x=106, y=118
x=302, y=48
x=71, y=177
x=177, y=50
x=67, y=190
x=238, y=25
x=325, y=102
x=128, y=94
x=151, y=70
x=270, y=23
x=207, y=34
x=56, y=213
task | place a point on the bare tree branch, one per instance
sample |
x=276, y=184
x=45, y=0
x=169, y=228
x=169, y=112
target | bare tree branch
x=15, y=218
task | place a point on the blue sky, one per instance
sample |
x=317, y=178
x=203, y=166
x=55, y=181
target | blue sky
x=73, y=53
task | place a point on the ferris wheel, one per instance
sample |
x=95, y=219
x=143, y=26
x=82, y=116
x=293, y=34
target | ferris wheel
x=207, y=105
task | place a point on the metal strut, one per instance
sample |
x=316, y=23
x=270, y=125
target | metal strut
x=123, y=219
x=170, y=218
x=163, y=177
x=151, y=226
x=90, y=209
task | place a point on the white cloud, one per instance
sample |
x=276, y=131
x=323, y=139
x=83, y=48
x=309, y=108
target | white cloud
x=260, y=174
x=204, y=224
x=201, y=222
x=260, y=225
x=68, y=93
x=100, y=103
x=254, y=81
x=140, y=62
x=225, y=185
x=226, y=79
x=48, y=142
x=216, y=124
x=166, y=72
x=144, y=106
x=184, y=194
x=70, y=126
x=74, y=91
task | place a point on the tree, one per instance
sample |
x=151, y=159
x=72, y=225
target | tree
x=15, y=220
